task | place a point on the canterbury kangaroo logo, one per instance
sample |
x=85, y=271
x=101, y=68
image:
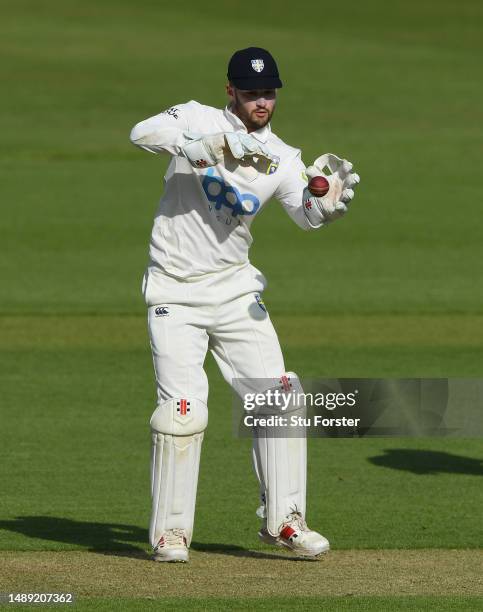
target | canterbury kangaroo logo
x=221, y=194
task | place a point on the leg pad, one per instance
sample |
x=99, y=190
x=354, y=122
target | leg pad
x=177, y=434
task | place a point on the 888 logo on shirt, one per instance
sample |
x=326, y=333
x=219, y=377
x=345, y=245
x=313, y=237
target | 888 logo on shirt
x=221, y=194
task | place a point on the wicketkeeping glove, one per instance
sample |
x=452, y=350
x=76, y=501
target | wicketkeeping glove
x=209, y=150
x=342, y=181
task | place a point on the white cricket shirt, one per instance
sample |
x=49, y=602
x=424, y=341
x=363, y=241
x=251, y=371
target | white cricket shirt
x=203, y=221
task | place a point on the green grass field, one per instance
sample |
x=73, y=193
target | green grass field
x=393, y=290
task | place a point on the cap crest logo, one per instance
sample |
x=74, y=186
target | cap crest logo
x=258, y=65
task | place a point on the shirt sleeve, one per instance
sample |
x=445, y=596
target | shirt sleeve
x=290, y=190
x=164, y=133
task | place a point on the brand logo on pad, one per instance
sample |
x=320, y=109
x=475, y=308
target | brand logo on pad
x=221, y=194
x=285, y=382
x=258, y=65
x=183, y=406
x=161, y=311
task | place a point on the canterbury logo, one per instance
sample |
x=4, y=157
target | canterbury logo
x=161, y=311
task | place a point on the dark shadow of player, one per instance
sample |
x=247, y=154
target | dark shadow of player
x=107, y=538
x=428, y=462
x=111, y=539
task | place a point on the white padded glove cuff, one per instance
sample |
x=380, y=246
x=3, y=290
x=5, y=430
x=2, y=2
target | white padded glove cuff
x=204, y=151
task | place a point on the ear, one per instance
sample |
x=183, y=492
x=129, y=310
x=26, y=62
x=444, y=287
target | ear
x=230, y=91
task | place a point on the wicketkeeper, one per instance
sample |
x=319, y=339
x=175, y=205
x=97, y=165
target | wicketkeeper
x=202, y=292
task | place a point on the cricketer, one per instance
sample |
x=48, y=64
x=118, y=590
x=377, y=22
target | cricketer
x=202, y=293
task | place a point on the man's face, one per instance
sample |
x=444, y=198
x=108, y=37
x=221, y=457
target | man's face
x=254, y=107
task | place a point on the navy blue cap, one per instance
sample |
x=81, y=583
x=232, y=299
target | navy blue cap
x=253, y=68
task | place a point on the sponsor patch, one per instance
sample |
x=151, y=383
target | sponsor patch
x=220, y=194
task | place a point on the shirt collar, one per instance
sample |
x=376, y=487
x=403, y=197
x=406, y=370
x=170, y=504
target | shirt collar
x=261, y=135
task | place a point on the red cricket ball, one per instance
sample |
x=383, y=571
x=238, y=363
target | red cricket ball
x=319, y=186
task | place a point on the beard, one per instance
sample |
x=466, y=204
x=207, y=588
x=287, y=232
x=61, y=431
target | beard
x=250, y=119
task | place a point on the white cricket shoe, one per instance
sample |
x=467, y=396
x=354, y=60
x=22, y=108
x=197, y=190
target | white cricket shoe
x=172, y=547
x=295, y=534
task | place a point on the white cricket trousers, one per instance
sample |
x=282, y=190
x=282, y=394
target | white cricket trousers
x=222, y=312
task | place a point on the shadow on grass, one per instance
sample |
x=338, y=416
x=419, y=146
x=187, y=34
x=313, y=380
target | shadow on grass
x=424, y=462
x=107, y=538
x=111, y=539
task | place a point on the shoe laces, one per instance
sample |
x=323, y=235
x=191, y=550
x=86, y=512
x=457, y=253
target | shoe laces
x=174, y=537
x=295, y=519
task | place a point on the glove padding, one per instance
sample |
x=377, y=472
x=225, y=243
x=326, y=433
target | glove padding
x=342, y=181
x=209, y=150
